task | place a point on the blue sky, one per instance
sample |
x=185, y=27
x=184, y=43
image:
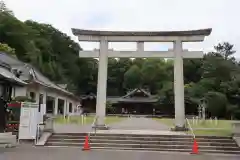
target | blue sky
x=152, y=15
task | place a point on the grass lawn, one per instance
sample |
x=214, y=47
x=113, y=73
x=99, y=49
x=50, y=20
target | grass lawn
x=226, y=132
x=222, y=128
x=88, y=120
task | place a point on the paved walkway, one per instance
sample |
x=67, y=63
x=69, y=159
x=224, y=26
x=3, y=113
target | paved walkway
x=140, y=123
x=131, y=124
x=41, y=153
x=72, y=128
x=140, y=132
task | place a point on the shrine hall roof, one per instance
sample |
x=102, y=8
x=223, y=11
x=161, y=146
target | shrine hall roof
x=204, y=32
x=129, y=97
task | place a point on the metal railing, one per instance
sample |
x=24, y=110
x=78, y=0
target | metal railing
x=190, y=127
x=47, y=127
x=38, y=135
x=94, y=126
x=48, y=124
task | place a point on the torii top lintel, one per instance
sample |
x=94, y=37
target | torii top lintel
x=94, y=35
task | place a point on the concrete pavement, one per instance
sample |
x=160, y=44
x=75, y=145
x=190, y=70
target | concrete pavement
x=44, y=153
x=134, y=123
x=140, y=123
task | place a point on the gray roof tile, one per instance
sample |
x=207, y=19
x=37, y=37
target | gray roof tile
x=26, y=68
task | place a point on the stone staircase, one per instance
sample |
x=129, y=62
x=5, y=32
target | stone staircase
x=7, y=140
x=177, y=143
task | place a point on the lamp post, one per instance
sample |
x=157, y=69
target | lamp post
x=204, y=110
x=199, y=111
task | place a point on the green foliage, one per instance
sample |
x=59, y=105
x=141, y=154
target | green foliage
x=132, y=77
x=3, y=8
x=215, y=77
x=109, y=107
x=49, y=50
x=216, y=103
x=5, y=48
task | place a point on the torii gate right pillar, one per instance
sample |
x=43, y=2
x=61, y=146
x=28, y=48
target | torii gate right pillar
x=179, y=87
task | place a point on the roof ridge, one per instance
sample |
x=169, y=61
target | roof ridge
x=135, y=90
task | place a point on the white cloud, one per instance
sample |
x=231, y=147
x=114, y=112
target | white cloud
x=153, y=15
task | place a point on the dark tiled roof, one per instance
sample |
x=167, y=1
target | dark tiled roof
x=138, y=100
x=6, y=74
x=147, y=94
x=128, y=98
x=28, y=69
x=205, y=32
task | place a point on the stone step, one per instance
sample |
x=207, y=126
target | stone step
x=141, y=138
x=168, y=150
x=145, y=145
x=182, y=143
x=189, y=147
x=138, y=135
x=230, y=143
x=160, y=150
x=8, y=140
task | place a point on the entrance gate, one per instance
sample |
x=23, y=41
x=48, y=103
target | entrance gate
x=177, y=37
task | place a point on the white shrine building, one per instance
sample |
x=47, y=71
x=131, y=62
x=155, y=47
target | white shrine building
x=176, y=37
x=38, y=87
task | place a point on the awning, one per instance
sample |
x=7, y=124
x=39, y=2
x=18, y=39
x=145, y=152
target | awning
x=10, y=76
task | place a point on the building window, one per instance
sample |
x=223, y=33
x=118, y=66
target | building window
x=40, y=102
x=70, y=108
x=33, y=96
x=1, y=90
x=41, y=99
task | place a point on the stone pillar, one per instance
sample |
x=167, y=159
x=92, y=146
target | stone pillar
x=44, y=103
x=66, y=107
x=45, y=98
x=37, y=95
x=56, y=106
x=179, y=87
x=102, y=84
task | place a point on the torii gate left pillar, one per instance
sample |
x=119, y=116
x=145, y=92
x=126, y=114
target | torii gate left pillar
x=177, y=37
x=102, y=84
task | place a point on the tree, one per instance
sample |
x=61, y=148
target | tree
x=3, y=8
x=5, y=48
x=216, y=77
x=132, y=78
x=216, y=104
x=225, y=49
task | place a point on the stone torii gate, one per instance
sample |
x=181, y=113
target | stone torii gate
x=177, y=37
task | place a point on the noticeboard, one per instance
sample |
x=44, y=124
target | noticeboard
x=29, y=119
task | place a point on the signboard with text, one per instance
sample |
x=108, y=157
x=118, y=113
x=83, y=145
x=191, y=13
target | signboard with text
x=29, y=118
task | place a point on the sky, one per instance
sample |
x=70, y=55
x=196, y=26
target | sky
x=138, y=15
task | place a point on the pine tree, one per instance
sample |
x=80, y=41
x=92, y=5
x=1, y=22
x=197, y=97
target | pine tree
x=3, y=8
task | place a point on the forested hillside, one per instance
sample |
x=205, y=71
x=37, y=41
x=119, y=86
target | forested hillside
x=216, y=77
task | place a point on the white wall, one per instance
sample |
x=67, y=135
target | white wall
x=25, y=91
x=19, y=91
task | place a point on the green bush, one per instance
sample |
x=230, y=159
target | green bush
x=216, y=104
x=109, y=107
